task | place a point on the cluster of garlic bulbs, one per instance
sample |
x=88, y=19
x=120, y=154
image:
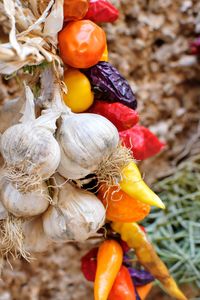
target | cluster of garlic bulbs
x=44, y=155
x=40, y=204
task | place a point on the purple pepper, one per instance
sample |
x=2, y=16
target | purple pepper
x=140, y=277
x=108, y=84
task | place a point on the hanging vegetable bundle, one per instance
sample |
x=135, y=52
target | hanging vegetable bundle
x=66, y=173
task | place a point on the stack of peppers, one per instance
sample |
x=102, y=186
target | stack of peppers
x=94, y=85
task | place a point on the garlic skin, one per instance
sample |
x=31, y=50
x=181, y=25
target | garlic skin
x=77, y=216
x=32, y=149
x=24, y=205
x=85, y=139
x=3, y=212
x=35, y=240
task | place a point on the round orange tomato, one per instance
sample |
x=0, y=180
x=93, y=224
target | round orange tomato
x=82, y=44
x=75, y=9
x=120, y=207
x=104, y=56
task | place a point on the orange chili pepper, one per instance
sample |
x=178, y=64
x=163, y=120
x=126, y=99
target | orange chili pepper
x=120, y=207
x=75, y=9
x=144, y=290
x=81, y=43
x=123, y=288
x=109, y=261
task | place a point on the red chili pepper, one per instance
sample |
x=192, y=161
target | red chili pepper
x=142, y=142
x=101, y=11
x=120, y=115
x=195, y=47
x=123, y=288
x=89, y=264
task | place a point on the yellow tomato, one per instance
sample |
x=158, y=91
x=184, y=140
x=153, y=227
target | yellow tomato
x=105, y=55
x=79, y=96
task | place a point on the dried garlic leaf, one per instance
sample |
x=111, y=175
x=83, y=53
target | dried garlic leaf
x=33, y=35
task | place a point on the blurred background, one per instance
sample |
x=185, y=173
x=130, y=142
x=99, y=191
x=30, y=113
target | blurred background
x=150, y=45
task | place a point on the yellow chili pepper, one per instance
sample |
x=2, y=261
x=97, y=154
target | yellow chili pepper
x=133, y=185
x=136, y=239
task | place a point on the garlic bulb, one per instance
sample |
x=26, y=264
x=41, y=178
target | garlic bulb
x=30, y=147
x=77, y=215
x=24, y=204
x=85, y=139
x=35, y=240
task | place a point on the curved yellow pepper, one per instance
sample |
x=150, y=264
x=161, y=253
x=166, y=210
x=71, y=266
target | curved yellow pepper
x=132, y=234
x=133, y=185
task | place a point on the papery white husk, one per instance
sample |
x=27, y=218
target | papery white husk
x=76, y=216
x=27, y=204
x=33, y=34
x=35, y=240
x=30, y=147
x=85, y=139
x=3, y=211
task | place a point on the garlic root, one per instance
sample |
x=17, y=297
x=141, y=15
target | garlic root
x=11, y=233
x=110, y=169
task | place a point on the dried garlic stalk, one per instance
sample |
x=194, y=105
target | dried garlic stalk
x=33, y=34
